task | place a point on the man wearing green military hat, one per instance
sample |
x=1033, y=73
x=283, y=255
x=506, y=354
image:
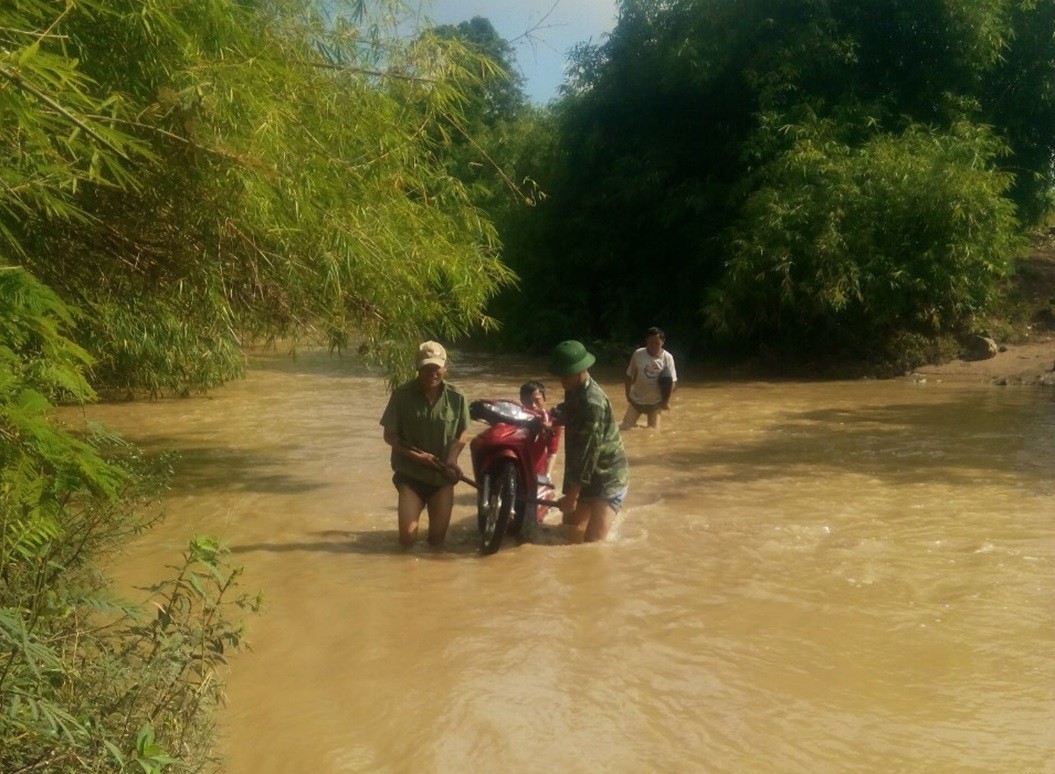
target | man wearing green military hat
x=596, y=474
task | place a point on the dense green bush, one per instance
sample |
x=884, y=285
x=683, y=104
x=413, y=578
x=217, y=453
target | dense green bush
x=87, y=683
x=802, y=174
x=906, y=233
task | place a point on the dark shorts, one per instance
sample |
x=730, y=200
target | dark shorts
x=644, y=408
x=420, y=488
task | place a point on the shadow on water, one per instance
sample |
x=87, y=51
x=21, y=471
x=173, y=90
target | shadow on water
x=317, y=362
x=462, y=541
x=211, y=468
x=462, y=366
x=905, y=443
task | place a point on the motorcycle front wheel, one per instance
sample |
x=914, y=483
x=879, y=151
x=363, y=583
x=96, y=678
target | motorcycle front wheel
x=495, y=505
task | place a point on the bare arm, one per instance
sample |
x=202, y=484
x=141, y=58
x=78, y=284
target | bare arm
x=666, y=404
x=456, y=449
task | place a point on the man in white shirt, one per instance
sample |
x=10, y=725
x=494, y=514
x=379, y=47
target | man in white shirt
x=650, y=381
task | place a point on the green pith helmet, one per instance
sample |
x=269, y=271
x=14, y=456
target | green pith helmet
x=570, y=357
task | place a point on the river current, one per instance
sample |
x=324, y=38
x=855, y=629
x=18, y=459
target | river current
x=806, y=577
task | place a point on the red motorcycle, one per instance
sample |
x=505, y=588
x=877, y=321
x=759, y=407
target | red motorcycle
x=505, y=459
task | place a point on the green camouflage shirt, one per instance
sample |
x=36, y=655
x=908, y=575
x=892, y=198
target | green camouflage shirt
x=593, y=448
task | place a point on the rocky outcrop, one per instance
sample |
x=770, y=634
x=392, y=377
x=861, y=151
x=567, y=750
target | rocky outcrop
x=979, y=348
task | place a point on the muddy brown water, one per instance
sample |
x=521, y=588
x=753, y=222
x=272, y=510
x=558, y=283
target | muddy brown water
x=829, y=576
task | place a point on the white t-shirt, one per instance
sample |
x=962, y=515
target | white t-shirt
x=645, y=370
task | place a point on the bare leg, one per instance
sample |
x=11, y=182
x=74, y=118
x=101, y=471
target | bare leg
x=630, y=418
x=590, y=521
x=653, y=419
x=440, y=506
x=601, y=517
x=577, y=521
x=410, y=507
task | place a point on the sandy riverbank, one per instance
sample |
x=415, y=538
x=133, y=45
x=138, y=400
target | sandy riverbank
x=1018, y=364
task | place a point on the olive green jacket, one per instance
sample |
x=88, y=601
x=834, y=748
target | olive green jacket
x=430, y=427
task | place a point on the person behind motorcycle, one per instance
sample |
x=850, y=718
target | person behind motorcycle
x=596, y=473
x=533, y=396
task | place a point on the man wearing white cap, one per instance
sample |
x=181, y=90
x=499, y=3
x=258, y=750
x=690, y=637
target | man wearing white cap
x=425, y=424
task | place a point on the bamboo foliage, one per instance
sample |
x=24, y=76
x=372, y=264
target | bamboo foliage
x=253, y=170
x=40, y=466
x=59, y=133
x=179, y=177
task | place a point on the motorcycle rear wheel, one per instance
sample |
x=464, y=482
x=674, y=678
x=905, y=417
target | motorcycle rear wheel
x=496, y=505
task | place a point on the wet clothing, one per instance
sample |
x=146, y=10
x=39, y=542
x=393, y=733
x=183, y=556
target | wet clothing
x=420, y=488
x=642, y=408
x=616, y=500
x=645, y=371
x=545, y=447
x=593, y=449
x=429, y=427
